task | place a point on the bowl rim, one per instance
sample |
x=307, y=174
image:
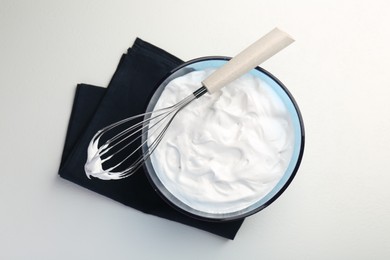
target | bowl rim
x=224, y=217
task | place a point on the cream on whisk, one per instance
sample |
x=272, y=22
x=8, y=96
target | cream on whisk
x=226, y=151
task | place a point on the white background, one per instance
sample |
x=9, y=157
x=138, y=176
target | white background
x=337, y=207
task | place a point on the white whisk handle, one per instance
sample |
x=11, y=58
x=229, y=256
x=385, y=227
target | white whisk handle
x=258, y=52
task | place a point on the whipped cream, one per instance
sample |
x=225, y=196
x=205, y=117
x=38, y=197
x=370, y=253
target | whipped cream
x=226, y=151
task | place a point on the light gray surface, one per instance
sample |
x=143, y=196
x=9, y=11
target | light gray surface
x=336, y=208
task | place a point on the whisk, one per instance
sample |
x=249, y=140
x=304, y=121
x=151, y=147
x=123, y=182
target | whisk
x=121, y=152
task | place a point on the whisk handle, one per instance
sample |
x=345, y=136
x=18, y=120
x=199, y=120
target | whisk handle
x=258, y=52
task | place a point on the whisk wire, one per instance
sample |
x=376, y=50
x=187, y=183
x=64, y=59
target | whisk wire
x=134, y=129
x=154, y=125
x=139, y=162
x=161, y=132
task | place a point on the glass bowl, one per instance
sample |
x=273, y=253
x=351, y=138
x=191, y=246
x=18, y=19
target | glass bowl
x=299, y=137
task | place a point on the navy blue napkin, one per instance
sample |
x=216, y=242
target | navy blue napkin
x=128, y=93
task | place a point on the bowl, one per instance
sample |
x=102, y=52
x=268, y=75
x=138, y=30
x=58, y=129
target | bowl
x=288, y=175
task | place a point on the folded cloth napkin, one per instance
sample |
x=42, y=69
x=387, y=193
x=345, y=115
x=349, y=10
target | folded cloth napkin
x=128, y=93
